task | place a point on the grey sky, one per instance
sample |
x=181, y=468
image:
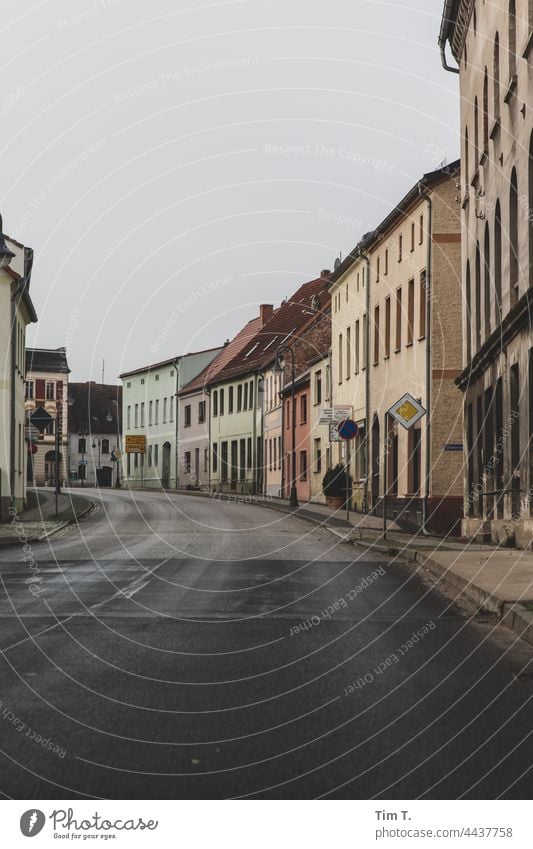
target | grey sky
x=174, y=164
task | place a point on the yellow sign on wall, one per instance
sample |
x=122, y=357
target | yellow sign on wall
x=135, y=444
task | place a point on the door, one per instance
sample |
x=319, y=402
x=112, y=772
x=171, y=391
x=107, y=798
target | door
x=375, y=462
x=234, y=464
x=165, y=470
x=196, y=466
x=104, y=476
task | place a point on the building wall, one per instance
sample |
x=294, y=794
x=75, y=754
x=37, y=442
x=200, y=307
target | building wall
x=272, y=434
x=319, y=444
x=240, y=431
x=19, y=435
x=348, y=311
x=302, y=443
x=89, y=459
x=41, y=464
x=497, y=286
x=152, y=393
x=194, y=440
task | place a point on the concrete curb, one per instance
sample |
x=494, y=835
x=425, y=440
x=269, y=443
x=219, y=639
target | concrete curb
x=518, y=619
x=55, y=529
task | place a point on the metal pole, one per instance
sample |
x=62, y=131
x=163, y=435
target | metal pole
x=293, y=502
x=348, y=462
x=57, y=465
x=385, y=476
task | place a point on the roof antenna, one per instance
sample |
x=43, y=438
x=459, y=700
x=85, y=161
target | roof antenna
x=103, y=370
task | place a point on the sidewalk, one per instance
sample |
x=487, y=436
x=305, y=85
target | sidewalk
x=496, y=579
x=40, y=522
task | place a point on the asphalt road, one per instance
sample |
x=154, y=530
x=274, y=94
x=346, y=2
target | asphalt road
x=178, y=647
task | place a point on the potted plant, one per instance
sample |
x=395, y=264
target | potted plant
x=334, y=486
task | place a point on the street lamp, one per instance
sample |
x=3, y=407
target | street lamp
x=109, y=418
x=279, y=369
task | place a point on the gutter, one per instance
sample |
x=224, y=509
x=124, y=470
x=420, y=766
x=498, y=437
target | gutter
x=177, y=364
x=444, y=36
x=429, y=236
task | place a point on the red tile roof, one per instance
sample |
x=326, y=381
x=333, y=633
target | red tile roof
x=288, y=320
x=221, y=360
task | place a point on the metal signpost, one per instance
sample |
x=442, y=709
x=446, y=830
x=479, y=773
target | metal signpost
x=407, y=411
x=347, y=431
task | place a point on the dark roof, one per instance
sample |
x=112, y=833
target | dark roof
x=92, y=403
x=455, y=21
x=47, y=359
x=288, y=320
x=171, y=361
x=221, y=361
x=398, y=213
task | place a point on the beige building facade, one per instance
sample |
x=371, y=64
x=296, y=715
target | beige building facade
x=47, y=395
x=16, y=312
x=492, y=45
x=396, y=312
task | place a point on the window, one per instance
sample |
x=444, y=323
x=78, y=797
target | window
x=136, y=415
x=421, y=231
x=249, y=453
x=50, y=391
x=410, y=311
x=150, y=413
x=215, y=457
x=187, y=462
x=398, y=319
x=245, y=398
x=142, y=381
x=487, y=281
x=165, y=409
x=230, y=400
x=376, y=336
x=513, y=238
x=468, y=327
x=340, y=358
x=268, y=452
x=222, y=403
x=303, y=465
x=215, y=403
x=279, y=443
x=466, y=160
x=486, y=113
x=423, y=301
x=348, y=352
x=128, y=417
x=135, y=460
x=318, y=455
x=274, y=445
x=512, y=39
x=413, y=228
x=188, y=415
x=496, y=77
x=251, y=396
x=242, y=459
x=156, y=455
x=303, y=409
x=377, y=272
x=128, y=385
x=150, y=458
x=224, y=462
x=171, y=408
x=28, y=390
x=157, y=412
x=82, y=446
x=239, y=397
x=386, y=262
x=387, y=327
x=356, y=345
x=105, y=446
x=318, y=387
x=142, y=413
x=288, y=414
x=498, y=260
x=157, y=377
x=201, y=412
x=365, y=340
x=400, y=248
x=476, y=134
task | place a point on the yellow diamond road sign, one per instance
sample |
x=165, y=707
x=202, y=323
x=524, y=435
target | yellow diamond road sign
x=407, y=411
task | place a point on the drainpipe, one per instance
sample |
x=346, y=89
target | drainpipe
x=177, y=413
x=429, y=283
x=367, y=378
x=447, y=16
x=12, y=400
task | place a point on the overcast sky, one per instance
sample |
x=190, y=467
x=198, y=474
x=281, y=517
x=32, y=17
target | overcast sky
x=176, y=163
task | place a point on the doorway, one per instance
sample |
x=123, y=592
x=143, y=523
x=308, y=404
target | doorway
x=165, y=469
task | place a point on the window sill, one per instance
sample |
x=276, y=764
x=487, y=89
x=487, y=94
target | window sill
x=484, y=157
x=465, y=199
x=511, y=88
x=475, y=179
x=495, y=129
x=408, y=344
x=397, y=350
x=528, y=45
x=421, y=338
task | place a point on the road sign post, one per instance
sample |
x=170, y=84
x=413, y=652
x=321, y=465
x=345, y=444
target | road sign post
x=407, y=411
x=348, y=430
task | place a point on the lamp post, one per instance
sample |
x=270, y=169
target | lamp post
x=279, y=369
x=109, y=418
x=97, y=441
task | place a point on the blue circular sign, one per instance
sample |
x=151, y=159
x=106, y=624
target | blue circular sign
x=348, y=429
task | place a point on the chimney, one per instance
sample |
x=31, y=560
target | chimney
x=266, y=311
x=325, y=274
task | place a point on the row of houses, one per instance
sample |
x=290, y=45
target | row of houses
x=434, y=302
